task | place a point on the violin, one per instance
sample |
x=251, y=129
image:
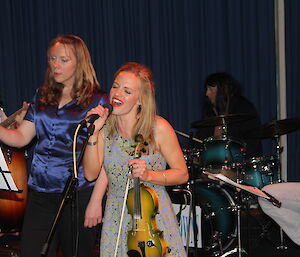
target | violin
x=144, y=239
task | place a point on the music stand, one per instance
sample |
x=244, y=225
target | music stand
x=6, y=180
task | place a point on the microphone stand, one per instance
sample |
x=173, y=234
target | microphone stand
x=193, y=198
x=68, y=193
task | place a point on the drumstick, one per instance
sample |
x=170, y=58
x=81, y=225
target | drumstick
x=187, y=136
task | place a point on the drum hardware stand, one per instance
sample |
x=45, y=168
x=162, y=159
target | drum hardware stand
x=191, y=191
x=279, y=150
x=193, y=201
x=188, y=192
x=217, y=237
x=224, y=127
x=228, y=141
x=239, y=250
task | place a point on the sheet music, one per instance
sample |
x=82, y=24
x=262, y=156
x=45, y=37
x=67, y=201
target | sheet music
x=3, y=164
x=10, y=182
x=6, y=179
x=250, y=189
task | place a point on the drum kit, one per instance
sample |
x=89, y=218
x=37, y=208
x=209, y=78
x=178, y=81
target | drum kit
x=220, y=203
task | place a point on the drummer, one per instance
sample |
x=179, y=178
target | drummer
x=223, y=97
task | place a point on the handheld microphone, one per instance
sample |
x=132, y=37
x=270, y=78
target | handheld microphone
x=93, y=117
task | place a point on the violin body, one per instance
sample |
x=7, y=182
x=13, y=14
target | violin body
x=145, y=239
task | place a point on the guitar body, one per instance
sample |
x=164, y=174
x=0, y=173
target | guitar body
x=12, y=204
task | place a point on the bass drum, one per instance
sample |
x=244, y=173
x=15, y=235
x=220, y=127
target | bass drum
x=12, y=204
x=218, y=228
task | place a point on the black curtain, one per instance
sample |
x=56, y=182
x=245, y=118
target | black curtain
x=182, y=41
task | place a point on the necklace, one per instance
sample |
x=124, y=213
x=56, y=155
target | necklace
x=128, y=146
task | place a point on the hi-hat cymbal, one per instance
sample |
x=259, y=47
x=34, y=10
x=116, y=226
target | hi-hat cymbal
x=275, y=128
x=222, y=120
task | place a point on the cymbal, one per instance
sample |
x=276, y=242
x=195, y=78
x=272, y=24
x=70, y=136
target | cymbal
x=222, y=120
x=275, y=128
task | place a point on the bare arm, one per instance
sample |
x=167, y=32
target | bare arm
x=93, y=157
x=94, y=152
x=20, y=136
x=169, y=147
x=93, y=213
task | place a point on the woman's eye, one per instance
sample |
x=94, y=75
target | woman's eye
x=65, y=59
x=114, y=86
x=127, y=92
x=51, y=58
x=61, y=60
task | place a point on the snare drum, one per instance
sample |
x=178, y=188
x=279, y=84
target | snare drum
x=222, y=155
x=260, y=171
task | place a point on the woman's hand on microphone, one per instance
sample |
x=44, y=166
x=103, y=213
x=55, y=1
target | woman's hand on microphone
x=100, y=121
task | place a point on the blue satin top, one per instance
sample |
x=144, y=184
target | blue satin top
x=53, y=153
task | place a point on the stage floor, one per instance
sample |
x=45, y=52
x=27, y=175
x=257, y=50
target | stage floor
x=260, y=237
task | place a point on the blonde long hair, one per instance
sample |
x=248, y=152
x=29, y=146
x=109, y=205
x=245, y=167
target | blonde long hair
x=147, y=110
x=86, y=82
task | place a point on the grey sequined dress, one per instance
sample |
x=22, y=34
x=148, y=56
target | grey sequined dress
x=116, y=155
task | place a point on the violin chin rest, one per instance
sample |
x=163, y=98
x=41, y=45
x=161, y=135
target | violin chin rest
x=133, y=253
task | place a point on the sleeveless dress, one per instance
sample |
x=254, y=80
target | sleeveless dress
x=116, y=155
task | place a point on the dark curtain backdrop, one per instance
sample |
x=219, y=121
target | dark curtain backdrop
x=182, y=41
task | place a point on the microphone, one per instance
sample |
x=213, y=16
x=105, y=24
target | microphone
x=93, y=117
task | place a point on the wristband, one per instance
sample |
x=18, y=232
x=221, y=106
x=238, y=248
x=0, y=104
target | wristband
x=92, y=143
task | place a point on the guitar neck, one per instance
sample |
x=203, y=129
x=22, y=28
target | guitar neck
x=12, y=118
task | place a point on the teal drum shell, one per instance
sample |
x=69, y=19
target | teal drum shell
x=221, y=153
x=260, y=171
x=218, y=226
